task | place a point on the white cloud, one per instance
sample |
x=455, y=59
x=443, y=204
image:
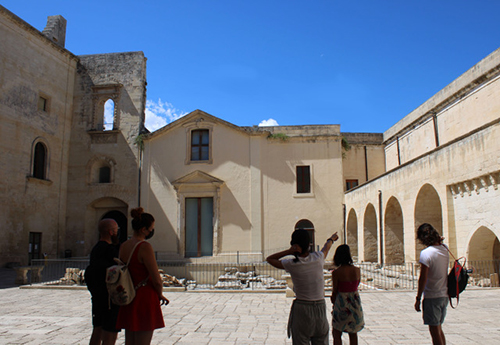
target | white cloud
x=269, y=122
x=159, y=114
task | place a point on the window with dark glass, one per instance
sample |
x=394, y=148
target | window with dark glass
x=350, y=184
x=104, y=175
x=200, y=145
x=303, y=179
x=42, y=104
x=39, y=161
x=35, y=246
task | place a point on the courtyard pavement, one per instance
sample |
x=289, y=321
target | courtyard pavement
x=62, y=316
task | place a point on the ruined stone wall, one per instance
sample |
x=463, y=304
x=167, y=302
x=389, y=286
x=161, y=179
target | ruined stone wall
x=33, y=67
x=120, y=77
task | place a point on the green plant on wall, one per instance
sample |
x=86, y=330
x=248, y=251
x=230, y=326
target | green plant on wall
x=279, y=136
x=139, y=142
x=345, y=147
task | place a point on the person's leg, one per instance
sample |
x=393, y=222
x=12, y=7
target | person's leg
x=301, y=325
x=95, y=338
x=320, y=323
x=437, y=335
x=108, y=338
x=434, y=313
x=109, y=330
x=353, y=338
x=143, y=337
x=337, y=337
x=129, y=337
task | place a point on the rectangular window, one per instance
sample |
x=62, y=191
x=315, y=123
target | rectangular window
x=199, y=228
x=350, y=184
x=42, y=103
x=35, y=246
x=104, y=175
x=303, y=179
x=200, y=145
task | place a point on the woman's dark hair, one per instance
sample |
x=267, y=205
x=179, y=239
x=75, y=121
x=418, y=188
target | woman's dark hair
x=342, y=255
x=428, y=236
x=300, y=237
x=141, y=219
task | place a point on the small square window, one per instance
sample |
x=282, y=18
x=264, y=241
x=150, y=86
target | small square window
x=42, y=104
x=350, y=184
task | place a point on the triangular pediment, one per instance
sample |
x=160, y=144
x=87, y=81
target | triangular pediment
x=197, y=178
x=198, y=118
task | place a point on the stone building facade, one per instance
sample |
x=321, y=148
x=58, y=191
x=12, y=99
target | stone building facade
x=216, y=188
x=443, y=168
x=62, y=170
x=263, y=182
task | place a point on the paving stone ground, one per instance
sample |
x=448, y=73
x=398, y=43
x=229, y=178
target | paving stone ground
x=49, y=316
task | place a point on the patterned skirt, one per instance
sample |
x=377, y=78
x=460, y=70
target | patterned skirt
x=347, y=314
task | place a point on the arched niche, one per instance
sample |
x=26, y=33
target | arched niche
x=428, y=209
x=352, y=232
x=393, y=232
x=370, y=234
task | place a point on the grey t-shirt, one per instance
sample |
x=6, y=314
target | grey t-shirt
x=307, y=276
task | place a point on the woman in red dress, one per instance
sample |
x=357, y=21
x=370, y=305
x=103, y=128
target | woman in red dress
x=141, y=317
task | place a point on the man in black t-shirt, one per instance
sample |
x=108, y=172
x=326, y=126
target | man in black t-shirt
x=104, y=313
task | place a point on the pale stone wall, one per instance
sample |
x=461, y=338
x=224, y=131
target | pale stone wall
x=453, y=188
x=443, y=168
x=283, y=207
x=469, y=102
x=365, y=158
x=252, y=179
x=35, y=68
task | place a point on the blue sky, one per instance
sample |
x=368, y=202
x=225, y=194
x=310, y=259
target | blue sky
x=361, y=64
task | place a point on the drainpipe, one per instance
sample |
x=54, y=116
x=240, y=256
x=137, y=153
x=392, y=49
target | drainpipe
x=139, y=178
x=344, y=225
x=399, y=152
x=366, y=164
x=436, y=132
x=381, y=234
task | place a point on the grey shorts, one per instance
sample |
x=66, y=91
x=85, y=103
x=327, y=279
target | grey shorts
x=434, y=310
x=308, y=323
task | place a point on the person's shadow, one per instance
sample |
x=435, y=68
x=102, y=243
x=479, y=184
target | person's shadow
x=7, y=278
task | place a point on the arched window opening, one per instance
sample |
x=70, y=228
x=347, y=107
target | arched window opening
x=40, y=161
x=307, y=225
x=109, y=115
x=105, y=174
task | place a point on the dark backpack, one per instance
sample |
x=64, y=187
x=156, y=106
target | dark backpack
x=457, y=280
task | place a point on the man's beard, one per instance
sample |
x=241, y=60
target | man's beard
x=115, y=239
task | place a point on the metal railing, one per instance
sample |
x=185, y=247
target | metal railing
x=231, y=274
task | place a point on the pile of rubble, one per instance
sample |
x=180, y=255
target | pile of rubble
x=235, y=280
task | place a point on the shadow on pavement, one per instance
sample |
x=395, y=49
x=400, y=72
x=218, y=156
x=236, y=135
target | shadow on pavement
x=7, y=278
